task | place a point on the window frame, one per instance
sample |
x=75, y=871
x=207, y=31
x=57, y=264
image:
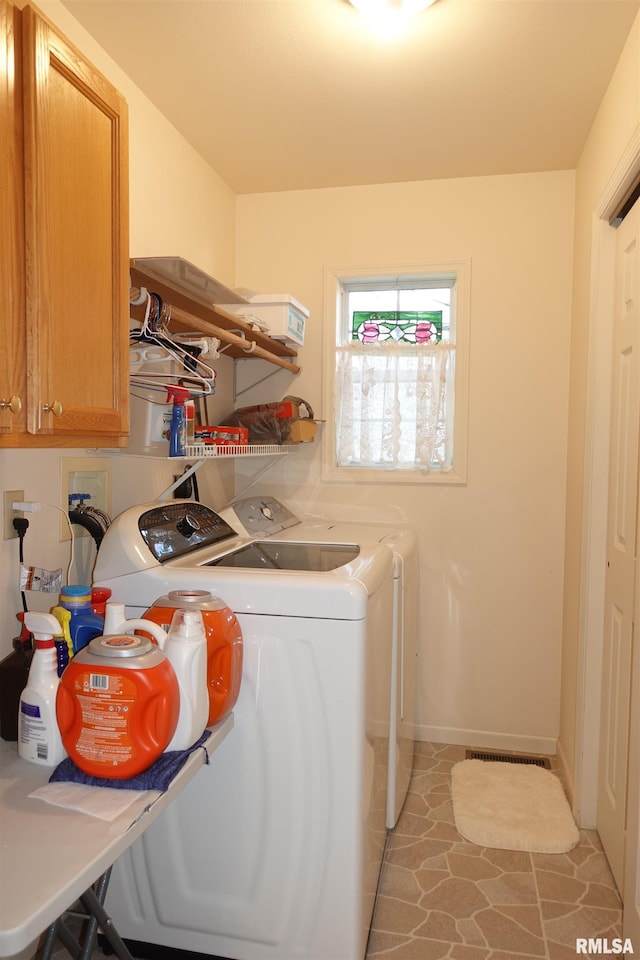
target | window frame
x=335, y=280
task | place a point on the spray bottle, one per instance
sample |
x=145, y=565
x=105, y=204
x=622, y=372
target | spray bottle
x=38, y=734
x=178, y=432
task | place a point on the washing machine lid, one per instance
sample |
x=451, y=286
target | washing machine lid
x=151, y=549
x=285, y=555
x=189, y=529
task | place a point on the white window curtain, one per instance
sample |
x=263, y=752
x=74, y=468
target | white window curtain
x=395, y=406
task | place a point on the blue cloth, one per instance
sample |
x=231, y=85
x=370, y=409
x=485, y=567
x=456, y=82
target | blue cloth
x=156, y=777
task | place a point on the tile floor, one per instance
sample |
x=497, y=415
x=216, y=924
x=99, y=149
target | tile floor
x=442, y=897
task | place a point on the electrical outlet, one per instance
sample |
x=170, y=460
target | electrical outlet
x=10, y=532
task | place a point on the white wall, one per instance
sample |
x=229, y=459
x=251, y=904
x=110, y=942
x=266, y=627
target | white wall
x=178, y=206
x=491, y=551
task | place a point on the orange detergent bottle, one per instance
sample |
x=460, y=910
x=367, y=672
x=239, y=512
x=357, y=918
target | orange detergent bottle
x=117, y=706
x=224, y=644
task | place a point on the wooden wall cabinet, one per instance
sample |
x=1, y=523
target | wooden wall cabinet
x=64, y=262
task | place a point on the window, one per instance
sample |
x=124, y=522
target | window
x=399, y=376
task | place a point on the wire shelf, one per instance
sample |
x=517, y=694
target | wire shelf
x=201, y=451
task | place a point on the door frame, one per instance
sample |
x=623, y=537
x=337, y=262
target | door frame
x=595, y=486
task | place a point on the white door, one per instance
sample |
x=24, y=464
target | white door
x=631, y=892
x=621, y=549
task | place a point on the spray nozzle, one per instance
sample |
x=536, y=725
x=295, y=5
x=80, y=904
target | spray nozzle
x=25, y=640
x=43, y=626
x=178, y=394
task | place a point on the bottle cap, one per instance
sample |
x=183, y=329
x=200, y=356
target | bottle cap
x=114, y=616
x=190, y=596
x=76, y=590
x=186, y=625
x=124, y=645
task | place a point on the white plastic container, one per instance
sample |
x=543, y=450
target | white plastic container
x=150, y=414
x=285, y=316
x=186, y=649
x=150, y=425
x=39, y=738
x=115, y=622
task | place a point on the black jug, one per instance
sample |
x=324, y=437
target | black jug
x=14, y=671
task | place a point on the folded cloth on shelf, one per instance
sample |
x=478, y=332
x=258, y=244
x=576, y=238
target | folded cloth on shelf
x=156, y=777
x=126, y=806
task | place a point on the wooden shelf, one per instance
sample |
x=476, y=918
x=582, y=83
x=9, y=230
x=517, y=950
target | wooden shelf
x=191, y=313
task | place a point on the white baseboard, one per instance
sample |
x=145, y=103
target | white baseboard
x=486, y=738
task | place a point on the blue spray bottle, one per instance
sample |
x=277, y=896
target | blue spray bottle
x=178, y=434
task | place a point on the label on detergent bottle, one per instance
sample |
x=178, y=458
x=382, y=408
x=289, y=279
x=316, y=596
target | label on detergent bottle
x=33, y=729
x=106, y=702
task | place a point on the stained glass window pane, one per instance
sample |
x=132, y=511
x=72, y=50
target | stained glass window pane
x=401, y=314
x=403, y=326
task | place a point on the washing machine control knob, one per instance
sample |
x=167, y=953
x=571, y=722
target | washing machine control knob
x=266, y=511
x=188, y=526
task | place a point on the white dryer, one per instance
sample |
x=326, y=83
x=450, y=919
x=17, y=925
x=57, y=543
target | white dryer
x=266, y=516
x=274, y=850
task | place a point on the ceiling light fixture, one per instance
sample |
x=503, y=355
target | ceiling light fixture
x=390, y=18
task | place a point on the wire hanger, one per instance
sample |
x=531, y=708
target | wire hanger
x=191, y=372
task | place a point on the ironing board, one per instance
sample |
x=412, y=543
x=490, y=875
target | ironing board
x=51, y=857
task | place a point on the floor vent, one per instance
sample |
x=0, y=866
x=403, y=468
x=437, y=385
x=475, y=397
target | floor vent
x=509, y=758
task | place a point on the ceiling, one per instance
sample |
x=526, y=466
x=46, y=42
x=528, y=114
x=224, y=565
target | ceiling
x=297, y=94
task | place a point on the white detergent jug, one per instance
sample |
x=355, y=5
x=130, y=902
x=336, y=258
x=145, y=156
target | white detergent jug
x=115, y=621
x=185, y=646
x=186, y=650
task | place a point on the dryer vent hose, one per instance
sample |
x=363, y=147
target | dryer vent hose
x=93, y=520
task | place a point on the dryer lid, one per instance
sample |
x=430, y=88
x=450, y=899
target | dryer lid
x=261, y=516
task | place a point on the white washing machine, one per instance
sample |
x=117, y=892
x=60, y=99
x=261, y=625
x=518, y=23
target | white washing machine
x=274, y=850
x=260, y=517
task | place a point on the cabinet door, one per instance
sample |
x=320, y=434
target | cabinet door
x=76, y=229
x=12, y=352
